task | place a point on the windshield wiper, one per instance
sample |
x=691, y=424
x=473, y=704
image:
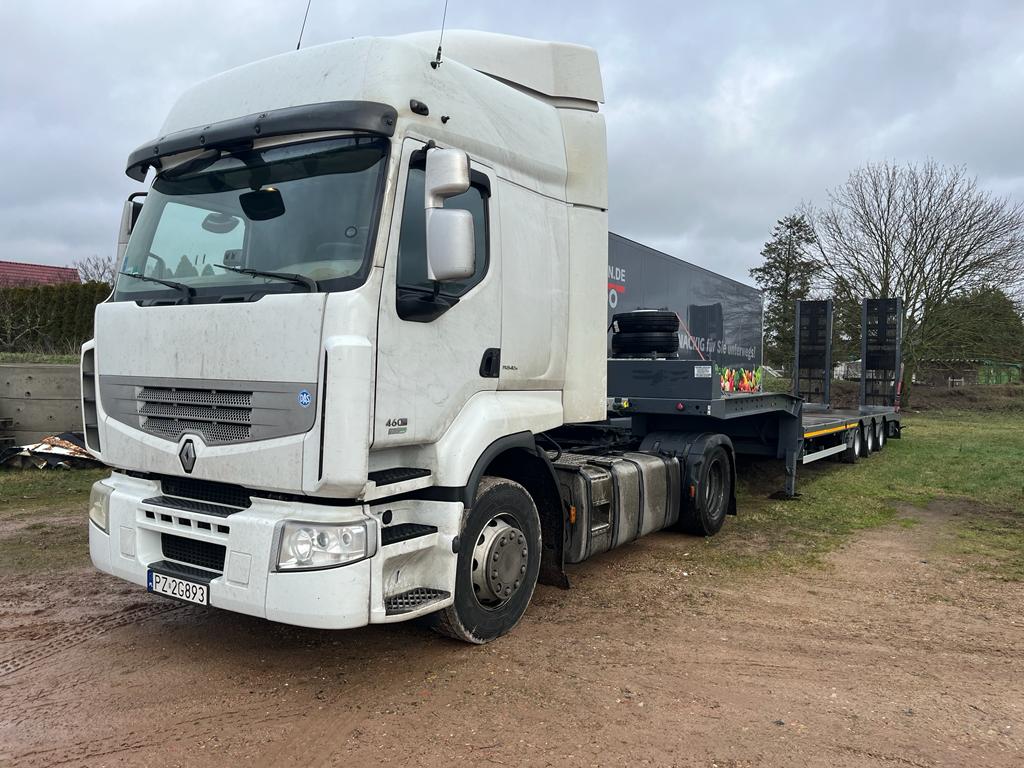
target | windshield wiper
x=309, y=282
x=187, y=291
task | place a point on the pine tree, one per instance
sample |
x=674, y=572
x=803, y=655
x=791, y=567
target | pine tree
x=785, y=276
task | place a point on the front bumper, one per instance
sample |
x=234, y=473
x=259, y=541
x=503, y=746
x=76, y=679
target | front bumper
x=341, y=597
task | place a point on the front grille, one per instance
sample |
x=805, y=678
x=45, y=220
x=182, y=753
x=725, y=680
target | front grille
x=199, y=553
x=219, y=416
x=206, y=490
x=196, y=397
x=212, y=433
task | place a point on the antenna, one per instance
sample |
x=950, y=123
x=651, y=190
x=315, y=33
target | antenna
x=437, y=61
x=304, y=17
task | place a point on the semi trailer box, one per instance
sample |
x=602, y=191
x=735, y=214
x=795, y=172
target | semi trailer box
x=719, y=319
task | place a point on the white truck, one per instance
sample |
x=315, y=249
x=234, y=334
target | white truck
x=354, y=366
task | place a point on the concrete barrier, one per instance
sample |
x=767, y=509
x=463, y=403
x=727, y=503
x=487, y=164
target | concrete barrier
x=40, y=399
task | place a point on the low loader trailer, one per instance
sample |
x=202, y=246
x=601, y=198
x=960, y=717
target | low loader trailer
x=356, y=367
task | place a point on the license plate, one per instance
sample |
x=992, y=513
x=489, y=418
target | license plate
x=181, y=589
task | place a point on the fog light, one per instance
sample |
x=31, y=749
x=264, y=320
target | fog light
x=305, y=546
x=99, y=505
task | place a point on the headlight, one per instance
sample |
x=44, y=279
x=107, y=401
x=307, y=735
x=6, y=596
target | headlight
x=317, y=545
x=99, y=505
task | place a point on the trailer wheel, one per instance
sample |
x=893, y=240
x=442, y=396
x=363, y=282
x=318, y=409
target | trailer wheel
x=714, y=490
x=867, y=442
x=498, y=564
x=880, y=433
x=854, y=440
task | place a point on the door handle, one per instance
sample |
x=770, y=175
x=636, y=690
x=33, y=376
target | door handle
x=490, y=364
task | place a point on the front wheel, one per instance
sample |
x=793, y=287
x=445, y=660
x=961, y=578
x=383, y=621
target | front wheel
x=498, y=564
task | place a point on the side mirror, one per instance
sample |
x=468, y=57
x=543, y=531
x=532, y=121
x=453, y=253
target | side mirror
x=129, y=216
x=451, y=240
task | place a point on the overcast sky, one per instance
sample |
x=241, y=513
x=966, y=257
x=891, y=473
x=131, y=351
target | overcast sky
x=722, y=116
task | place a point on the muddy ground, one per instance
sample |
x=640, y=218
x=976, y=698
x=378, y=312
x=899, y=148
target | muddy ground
x=892, y=654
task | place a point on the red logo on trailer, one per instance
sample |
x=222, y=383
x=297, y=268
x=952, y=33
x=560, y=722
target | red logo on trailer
x=616, y=284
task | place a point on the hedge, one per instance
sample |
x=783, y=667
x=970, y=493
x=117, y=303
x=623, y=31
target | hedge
x=49, y=318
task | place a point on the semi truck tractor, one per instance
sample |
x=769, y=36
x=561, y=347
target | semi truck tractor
x=355, y=368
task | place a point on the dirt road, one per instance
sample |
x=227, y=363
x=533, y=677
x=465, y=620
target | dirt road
x=891, y=655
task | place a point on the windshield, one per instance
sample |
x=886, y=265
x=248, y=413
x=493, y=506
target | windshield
x=303, y=216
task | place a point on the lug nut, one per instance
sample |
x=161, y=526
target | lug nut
x=494, y=574
x=525, y=552
x=508, y=591
x=501, y=542
x=516, y=585
x=523, y=570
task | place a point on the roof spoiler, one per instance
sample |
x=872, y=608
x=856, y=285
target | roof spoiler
x=367, y=116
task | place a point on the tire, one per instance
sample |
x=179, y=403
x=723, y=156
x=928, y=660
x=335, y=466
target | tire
x=881, y=429
x=646, y=321
x=661, y=341
x=854, y=443
x=867, y=440
x=503, y=516
x=714, y=490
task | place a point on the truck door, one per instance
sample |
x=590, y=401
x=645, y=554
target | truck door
x=436, y=344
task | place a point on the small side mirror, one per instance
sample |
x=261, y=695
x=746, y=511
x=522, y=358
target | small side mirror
x=129, y=216
x=451, y=240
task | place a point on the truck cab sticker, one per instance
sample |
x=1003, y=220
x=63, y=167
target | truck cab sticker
x=305, y=399
x=397, y=426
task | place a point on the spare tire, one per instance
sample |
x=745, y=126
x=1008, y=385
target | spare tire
x=645, y=343
x=646, y=321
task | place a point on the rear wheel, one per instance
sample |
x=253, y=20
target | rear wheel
x=854, y=441
x=867, y=441
x=498, y=564
x=714, y=492
x=880, y=434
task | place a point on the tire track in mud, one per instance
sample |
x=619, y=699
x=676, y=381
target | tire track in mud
x=186, y=730
x=82, y=632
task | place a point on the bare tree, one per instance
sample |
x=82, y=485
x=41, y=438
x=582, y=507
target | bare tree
x=96, y=269
x=924, y=233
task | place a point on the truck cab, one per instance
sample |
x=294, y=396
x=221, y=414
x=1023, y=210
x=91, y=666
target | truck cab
x=362, y=284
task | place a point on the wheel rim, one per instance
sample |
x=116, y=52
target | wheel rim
x=500, y=559
x=714, y=489
x=881, y=434
x=857, y=442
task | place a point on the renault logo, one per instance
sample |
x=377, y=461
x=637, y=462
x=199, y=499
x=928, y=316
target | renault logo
x=187, y=456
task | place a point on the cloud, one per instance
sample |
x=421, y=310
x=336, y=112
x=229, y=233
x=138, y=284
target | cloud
x=721, y=117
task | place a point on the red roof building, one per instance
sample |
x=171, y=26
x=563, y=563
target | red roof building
x=20, y=274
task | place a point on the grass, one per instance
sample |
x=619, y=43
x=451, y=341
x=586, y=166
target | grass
x=993, y=542
x=33, y=536
x=31, y=358
x=949, y=455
